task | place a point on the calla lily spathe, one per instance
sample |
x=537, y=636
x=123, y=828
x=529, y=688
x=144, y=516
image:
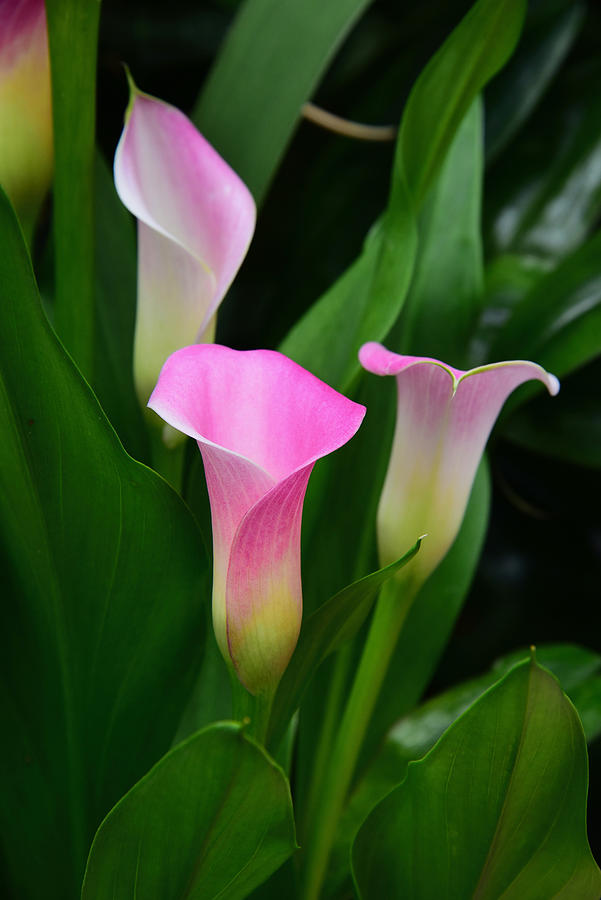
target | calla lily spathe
x=195, y=221
x=26, y=151
x=261, y=422
x=444, y=418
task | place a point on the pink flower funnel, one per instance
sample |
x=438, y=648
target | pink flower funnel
x=195, y=221
x=261, y=422
x=26, y=146
x=444, y=418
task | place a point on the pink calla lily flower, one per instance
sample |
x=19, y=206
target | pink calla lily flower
x=261, y=422
x=195, y=221
x=444, y=418
x=26, y=150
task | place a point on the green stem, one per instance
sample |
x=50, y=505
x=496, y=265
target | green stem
x=73, y=41
x=255, y=708
x=331, y=719
x=386, y=626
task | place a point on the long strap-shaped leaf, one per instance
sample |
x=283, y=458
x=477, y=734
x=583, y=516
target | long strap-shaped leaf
x=272, y=59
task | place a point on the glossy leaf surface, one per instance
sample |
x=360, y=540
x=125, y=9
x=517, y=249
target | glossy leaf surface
x=212, y=819
x=496, y=809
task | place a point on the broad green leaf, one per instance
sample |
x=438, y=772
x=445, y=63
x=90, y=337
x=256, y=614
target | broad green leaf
x=103, y=623
x=115, y=314
x=558, y=322
x=446, y=291
x=73, y=41
x=212, y=819
x=365, y=302
x=549, y=32
x=431, y=619
x=497, y=809
x=330, y=626
x=276, y=49
x=543, y=196
x=412, y=737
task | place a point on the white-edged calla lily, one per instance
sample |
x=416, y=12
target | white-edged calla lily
x=195, y=221
x=444, y=418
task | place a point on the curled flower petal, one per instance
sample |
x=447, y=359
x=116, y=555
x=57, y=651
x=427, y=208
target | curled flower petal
x=26, y=151
x=261, y=422
x=195, y=222
x=444, y=418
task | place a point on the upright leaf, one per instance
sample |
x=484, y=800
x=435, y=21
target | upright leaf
x=212, y=819
x=103, y=620
x=276, y=49
x=73, y=42
x=446, y=290
x=496, y=809
x=365, y=302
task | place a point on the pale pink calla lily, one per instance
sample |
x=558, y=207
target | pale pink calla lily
x=26, y=151
x=444, y=418
x=261, y=422
x=195, y=222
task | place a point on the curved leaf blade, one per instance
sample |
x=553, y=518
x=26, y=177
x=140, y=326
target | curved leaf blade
x=213, y=818
x=275, y=48
x=496, y=809
x=366, y=300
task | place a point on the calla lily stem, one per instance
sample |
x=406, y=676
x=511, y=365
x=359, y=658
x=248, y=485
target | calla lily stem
x=391, y=612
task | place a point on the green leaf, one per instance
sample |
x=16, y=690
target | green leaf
x=558, y=322
x=446, y=291
x=474, y=52
x=414, y=735
x=212, y=819
x=277, y=49
x=549, y=32
x=496, y=809
x=330, y=626
x=431, y=619
x=507, y=281
x=365, y=302
x=115, y=314
x=103, y=625
x=543, y=196
x=73, y=42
